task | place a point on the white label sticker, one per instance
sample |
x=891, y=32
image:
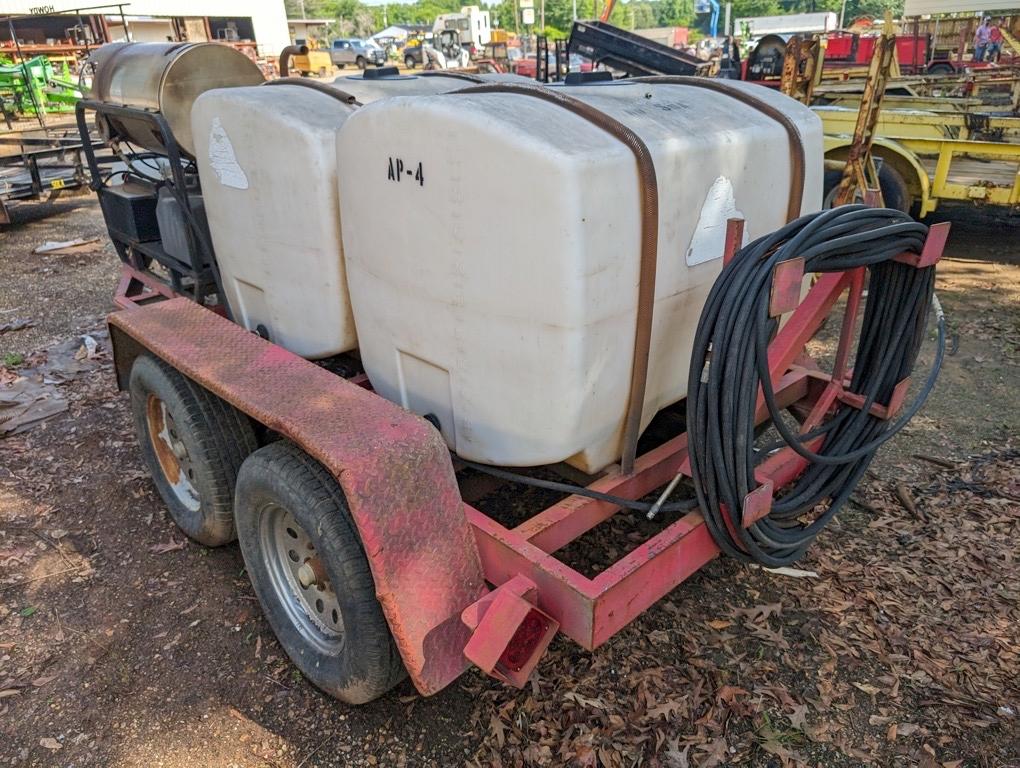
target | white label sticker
x=222, y=158
x=709, y=237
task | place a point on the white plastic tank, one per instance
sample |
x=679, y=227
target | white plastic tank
x=494, y=266
x=267, y=161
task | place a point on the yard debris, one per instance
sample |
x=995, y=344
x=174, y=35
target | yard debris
x=904, y=496
x=16, y=325
x=796, y=573
x=26, y=403
x=172, y=545
x=31, y=394
x=69, y=247
x=936, y=461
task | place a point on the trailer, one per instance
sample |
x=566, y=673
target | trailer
x=370, y=555
x=630, y=53
x=38, y=163
x=933, y=156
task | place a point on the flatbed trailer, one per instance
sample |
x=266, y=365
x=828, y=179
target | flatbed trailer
x=938, y=156
x=1000, y=96
x=39, y=163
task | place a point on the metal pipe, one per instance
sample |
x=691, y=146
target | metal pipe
x=316, y=85
x=286, y=53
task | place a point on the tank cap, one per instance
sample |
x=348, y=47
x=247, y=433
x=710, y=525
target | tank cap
x=380, y=72
x=583, y=78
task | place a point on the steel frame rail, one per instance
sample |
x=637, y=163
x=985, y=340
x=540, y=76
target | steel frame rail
x=591, y=610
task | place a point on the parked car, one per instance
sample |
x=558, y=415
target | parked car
x=413, y=56
x=357, y=52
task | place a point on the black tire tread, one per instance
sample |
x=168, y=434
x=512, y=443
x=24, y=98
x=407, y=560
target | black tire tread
x=225, y=438
x=324, y=501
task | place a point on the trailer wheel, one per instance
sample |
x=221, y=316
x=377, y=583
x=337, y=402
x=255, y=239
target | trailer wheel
x=194, y=444
x=309, y=570
x=942, y=68
x=895, y=192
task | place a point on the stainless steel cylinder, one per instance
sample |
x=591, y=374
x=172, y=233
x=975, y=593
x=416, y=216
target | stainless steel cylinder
x=166, y=77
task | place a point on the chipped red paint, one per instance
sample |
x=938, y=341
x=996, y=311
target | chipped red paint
x=392, y=465
x=429, y=551
x=508, y=633
x=138, y=288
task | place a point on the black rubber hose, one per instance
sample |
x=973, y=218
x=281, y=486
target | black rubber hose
x=730, y=362
x=552, y=485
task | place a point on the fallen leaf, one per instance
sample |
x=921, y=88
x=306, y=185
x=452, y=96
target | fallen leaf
x=798, y=717
x=50, y=743
x=868, y=689
x=167, y=546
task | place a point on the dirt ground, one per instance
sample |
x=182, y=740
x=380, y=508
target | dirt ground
x=122, y=644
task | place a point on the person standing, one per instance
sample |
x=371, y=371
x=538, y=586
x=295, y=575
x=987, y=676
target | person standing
x=981, y=38
x=995, y=39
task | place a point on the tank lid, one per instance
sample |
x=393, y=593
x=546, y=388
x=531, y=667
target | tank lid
x=585, y=78
x=380, y=72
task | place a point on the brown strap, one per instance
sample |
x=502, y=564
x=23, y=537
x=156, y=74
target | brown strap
x=457, y=75
x=797, y=155
x=649, y=194
x=315, y=85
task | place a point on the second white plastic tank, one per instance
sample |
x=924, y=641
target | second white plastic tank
x=495, y=259
x=267, y=160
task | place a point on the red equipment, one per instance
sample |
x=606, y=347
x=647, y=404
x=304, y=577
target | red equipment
x=431, y=553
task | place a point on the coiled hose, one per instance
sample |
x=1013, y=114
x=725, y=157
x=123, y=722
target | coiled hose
x=730, y=361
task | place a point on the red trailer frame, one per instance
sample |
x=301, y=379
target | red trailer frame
x=396, y=472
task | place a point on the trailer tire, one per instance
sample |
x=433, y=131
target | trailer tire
x=941, y=69
x=287, y=505
x=186, y=431
x=895, y=192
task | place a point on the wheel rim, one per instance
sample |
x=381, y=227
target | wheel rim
x=172, y=454
x=299, y=580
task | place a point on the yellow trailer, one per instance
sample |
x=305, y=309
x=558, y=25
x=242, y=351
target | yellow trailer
x=936, y=156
